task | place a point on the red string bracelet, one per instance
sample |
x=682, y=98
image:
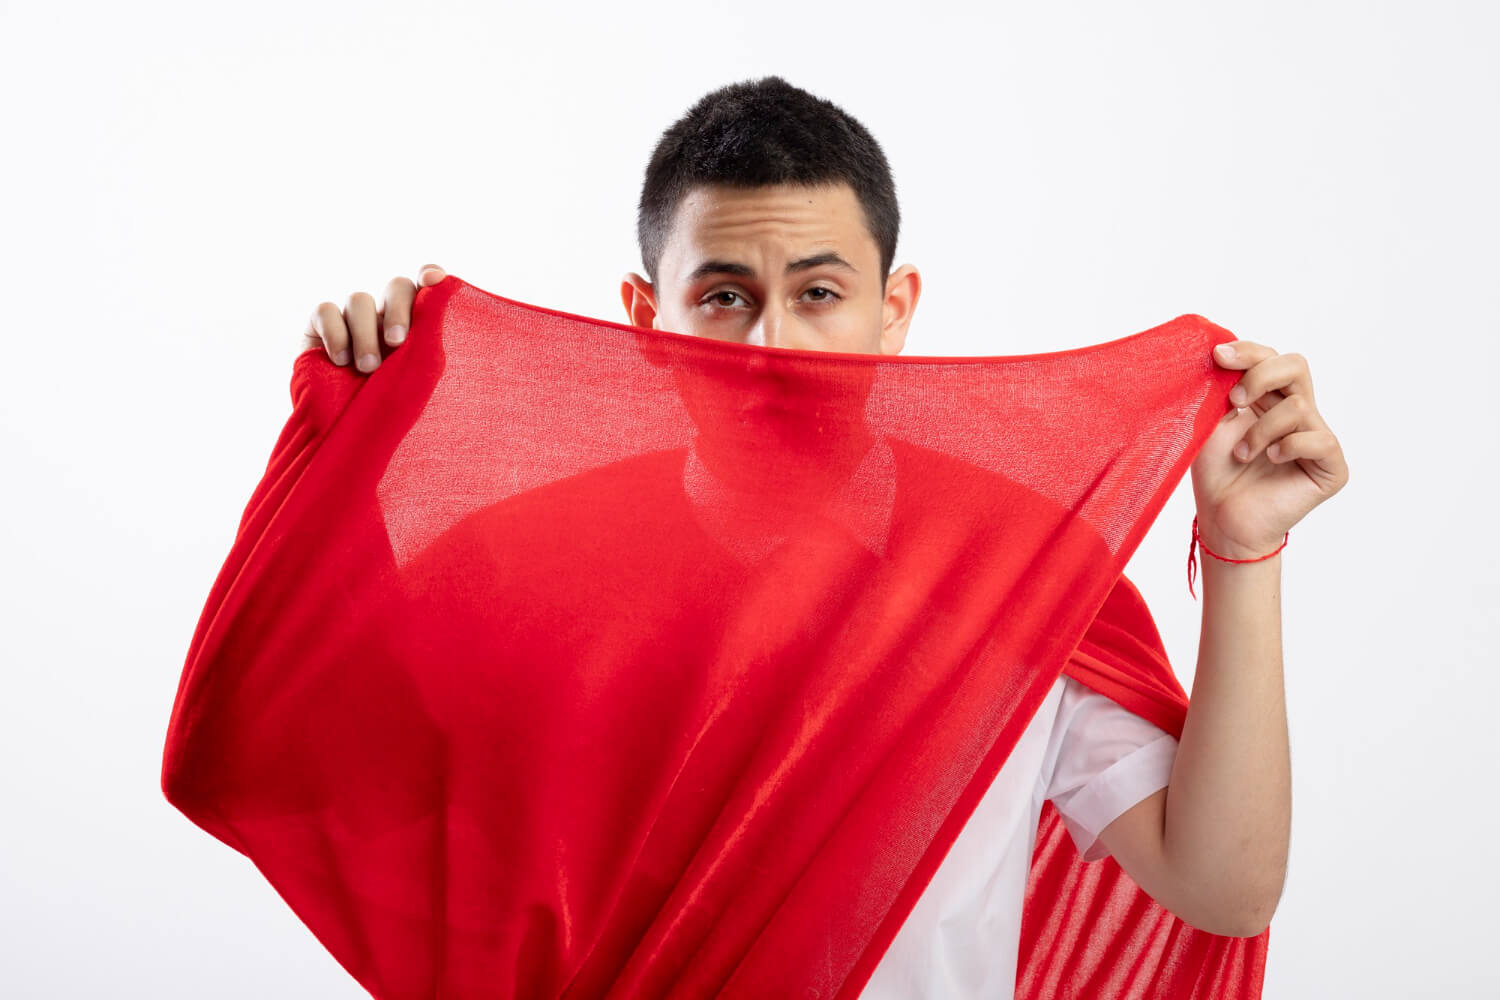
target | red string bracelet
x=1193, y=550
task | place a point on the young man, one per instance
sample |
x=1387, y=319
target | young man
x=768, y=216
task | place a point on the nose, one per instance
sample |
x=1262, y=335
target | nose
x=770, y=328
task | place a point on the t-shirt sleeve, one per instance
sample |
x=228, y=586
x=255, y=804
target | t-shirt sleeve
x=1101, y=759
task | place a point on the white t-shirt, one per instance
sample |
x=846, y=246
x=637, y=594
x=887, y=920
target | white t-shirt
x=1094, y=759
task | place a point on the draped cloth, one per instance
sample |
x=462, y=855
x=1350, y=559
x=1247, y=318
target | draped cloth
x=564, y=658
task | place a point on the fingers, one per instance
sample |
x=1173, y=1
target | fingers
x=1241, y=353
x=357, y=330
x=1294, y=413
x=400, y=293
x=310, y=336
x=1278, y=376
x=327, y=327
x=360, y=318
x=1316, y=445
x=397, y=313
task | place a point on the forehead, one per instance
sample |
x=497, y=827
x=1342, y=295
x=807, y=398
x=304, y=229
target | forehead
x=723, y=221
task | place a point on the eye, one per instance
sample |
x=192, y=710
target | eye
x=717, y=298
x=828, y=296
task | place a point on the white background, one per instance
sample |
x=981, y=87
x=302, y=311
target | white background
x=183, y=183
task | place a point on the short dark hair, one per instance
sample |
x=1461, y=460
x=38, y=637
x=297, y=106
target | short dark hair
x=758, y=133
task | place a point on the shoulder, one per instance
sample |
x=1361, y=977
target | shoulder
x=1102, y=759
x=1121, y=657
x=1088, y=721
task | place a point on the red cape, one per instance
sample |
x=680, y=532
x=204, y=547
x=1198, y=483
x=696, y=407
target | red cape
x=560, y=657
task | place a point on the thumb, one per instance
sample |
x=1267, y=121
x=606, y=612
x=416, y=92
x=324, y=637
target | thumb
x=430, y=274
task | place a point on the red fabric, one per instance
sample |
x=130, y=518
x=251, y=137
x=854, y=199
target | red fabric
x=563, y=658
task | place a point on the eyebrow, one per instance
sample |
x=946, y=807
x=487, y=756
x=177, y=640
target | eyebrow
x=730, y=267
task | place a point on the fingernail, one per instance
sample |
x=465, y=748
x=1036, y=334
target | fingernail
x=367, y=362
x=395, y=334
x=1242, y=450
x=1225, y=351
x=1237, y=395
x=341, y=358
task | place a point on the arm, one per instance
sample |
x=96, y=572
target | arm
x=1212, y=846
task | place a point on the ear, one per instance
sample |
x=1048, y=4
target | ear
x=640, y=310
x=640, y=300
x=902, y=289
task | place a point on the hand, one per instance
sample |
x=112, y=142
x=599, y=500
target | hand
x=1293, y=462
x=364, y=325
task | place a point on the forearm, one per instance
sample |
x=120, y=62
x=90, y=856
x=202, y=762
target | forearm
x=1228, y=806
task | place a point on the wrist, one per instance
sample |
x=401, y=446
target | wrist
x=1208, y=538
x=1231, y=556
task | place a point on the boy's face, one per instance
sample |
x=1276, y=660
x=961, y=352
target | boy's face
x=779, y=266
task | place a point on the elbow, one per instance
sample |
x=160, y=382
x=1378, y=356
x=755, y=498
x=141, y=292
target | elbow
x=1250, y=927
x=1240, y=924
x=1227, y=911
x=1253, y=919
